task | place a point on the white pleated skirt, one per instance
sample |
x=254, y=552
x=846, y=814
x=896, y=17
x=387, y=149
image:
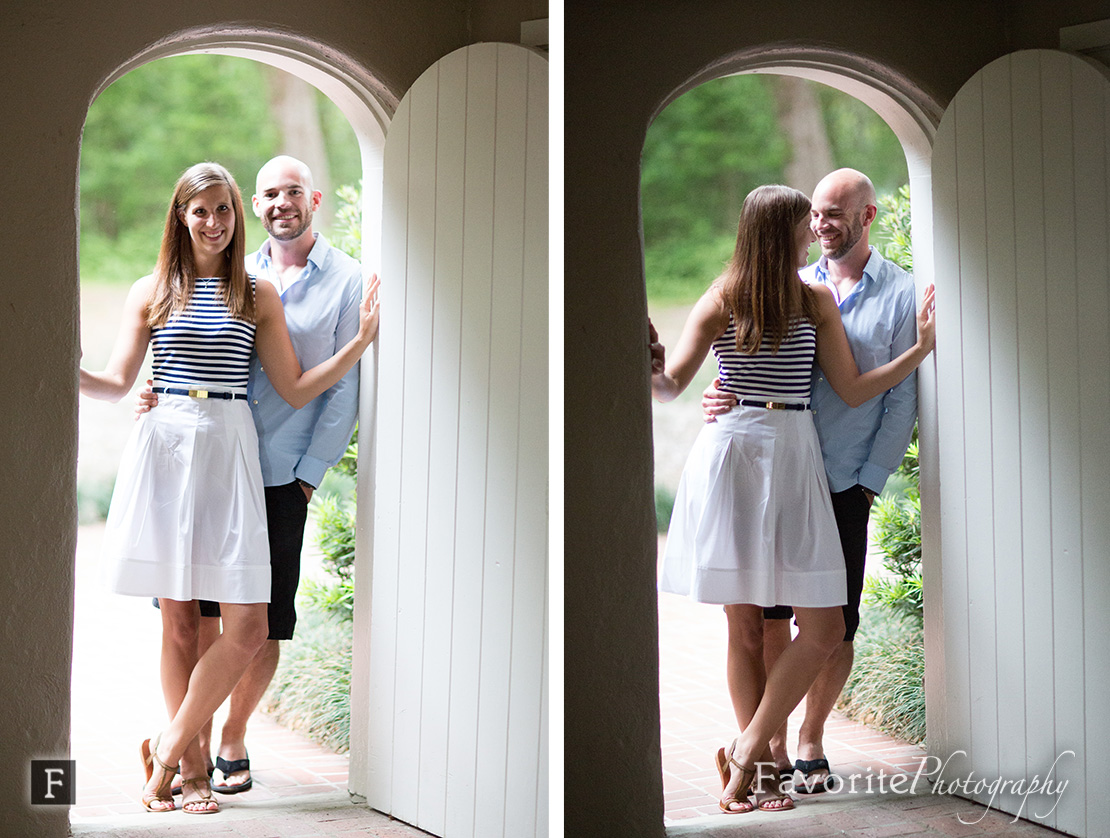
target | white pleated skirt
x=188, y=513
x=752, y=520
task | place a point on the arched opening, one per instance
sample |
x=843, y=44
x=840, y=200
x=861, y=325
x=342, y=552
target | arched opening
x=368, y=106
x=913, y=117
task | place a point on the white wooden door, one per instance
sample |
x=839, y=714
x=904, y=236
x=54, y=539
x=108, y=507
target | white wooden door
x=449, y=717
x=1022, y=255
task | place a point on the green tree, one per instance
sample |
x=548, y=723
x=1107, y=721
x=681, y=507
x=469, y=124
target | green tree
x=710, y=147
x=702, y=155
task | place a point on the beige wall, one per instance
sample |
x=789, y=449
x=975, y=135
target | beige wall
x=623, y=63
x=54, y=57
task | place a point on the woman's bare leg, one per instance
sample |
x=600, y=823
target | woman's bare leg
x=820, y=631
x=180, y=631
x=245, y=628
x=744, y=667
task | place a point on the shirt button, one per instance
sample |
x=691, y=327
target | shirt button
x=256, y=401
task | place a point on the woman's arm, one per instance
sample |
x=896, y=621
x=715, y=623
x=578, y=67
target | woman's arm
x=275, y=350
x=835, y=356
x=115, y=380
x=707, y=322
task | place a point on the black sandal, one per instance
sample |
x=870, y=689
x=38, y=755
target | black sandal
x=808, y=767
x=229, y=768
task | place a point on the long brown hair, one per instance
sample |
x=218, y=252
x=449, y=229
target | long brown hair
x=760, y=286
x=175, y=274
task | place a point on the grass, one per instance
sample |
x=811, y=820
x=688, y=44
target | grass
x=311, y=691
x=886, y=689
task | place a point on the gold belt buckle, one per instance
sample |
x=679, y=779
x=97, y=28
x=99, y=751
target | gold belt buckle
x=200, y=394
x=775, y=406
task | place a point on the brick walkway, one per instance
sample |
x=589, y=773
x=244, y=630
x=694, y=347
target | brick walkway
x=697, y=719
x=299, y=787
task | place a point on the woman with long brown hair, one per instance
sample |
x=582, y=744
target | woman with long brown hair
x=753, y=524
x=188, y=518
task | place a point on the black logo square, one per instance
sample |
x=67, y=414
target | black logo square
x=54, y=782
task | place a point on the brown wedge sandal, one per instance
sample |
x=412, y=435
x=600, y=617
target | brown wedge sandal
x=203, y=789
x=149, y=752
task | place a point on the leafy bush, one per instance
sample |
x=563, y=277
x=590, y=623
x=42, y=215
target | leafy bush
x=897, y=523
x=664, y=506
x=886, y=689
x=894, y=226
x=311, y=691
x=348, y=220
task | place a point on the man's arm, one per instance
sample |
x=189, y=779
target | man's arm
x=899, y=408
x=332, y=431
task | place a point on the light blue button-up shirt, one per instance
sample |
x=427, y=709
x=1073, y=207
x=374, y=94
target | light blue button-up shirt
x=866, y=444
x=321, y=311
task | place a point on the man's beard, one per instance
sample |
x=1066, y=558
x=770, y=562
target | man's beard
x=288, y=233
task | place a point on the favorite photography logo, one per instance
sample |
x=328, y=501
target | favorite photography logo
x=53, y=782
x=939, y=780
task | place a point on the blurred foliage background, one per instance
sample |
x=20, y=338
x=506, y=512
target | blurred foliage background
x=147, y=127
x=710, y=147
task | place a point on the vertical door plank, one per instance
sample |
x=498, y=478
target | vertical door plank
x=1003, y=588
x=474, y=407
x=443, y=480
x=975, y=300
x=501, y=509
x=1092, y=247
x=530, y=577
x=387, y=479
x=1033, y=405
x=950, y=422
x=1063, y=388
x=416, y=395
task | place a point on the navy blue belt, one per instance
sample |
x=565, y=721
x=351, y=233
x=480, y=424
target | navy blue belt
x=199, y=394
x=775, y=405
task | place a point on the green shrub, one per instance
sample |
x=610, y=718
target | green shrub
x=886, y=689
x=311, y=691
x=894, y=226
x=335, y=522
x=347, y=228
x=664, y=506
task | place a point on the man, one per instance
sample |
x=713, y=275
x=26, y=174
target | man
x=320, y=289
x=861, y=446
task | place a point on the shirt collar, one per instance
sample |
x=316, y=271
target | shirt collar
x=316, y=256
x=870, y=269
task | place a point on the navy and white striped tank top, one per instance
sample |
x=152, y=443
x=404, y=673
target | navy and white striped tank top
x=203, y=344
x=782, y=375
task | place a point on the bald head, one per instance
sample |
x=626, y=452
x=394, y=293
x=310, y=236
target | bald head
x=283, y=167
x=284, y=199
x=850, y=187
x=844, y=206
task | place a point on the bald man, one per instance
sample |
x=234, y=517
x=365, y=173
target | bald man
x=320, y=288
x=861, y=446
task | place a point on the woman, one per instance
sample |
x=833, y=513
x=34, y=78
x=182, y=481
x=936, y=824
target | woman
x=753, y=523
x=187, y=519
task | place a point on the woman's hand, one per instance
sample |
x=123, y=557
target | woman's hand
x=927, y=321
x=658, y=351
x=370, y=310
